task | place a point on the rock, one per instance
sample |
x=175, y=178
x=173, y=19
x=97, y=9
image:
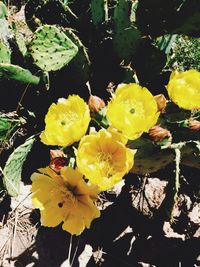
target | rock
x=183, y=203
x=151, y=197
x=197, y=233
x=194, y=215
x=169, y=232
x=142, y=264
x=85, y=256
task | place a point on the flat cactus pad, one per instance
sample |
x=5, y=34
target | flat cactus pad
x=51, y=49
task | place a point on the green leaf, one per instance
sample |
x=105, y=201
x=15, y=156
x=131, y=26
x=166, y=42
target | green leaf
x=13, y=168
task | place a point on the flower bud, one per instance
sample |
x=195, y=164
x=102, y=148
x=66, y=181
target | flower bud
x=57, y=164
x=158, y=133
x=95, y=103
x=161, y=102
x=56, y=153
x=194, y=125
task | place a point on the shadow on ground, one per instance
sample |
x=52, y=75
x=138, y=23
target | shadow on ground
x=122, y=237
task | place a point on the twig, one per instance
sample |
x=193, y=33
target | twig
x=20, y=203
x=14, y=234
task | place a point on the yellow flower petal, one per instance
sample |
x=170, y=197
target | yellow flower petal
x=104, y=159
x=51, y=215
x=64, y=198
x=81, y=217
x=66, y=122
x=132, y=110
x=184, y=89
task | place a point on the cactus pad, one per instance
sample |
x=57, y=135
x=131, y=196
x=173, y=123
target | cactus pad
x=99, y=11
x=126, y=37
x=51, y=49
x=4, y=53
x=20, y=41
x=17, y=73
x=38, y=12
x=3, y=10
x=80, y=65
x=149, y=158
x=4, y=30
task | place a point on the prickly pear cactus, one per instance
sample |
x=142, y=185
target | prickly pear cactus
x=4, y=30
x=99, y=11
x=191, y=154
x=51, y=49
x=21, y=43
x=17, y=73
x=39, y=12
x=149, y=158
x=80, y=64
x=154, y=153
x=126, y=37
x=5, y=126
x=3, y=10
x=156, y=18
x=4, y=54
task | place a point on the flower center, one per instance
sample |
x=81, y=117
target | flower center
x=70, y=197
x=68, y=118
x=133, y=106
x=104, y=161
x=67, y=197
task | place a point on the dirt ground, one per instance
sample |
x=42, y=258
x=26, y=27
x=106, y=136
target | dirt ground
x=132, y=229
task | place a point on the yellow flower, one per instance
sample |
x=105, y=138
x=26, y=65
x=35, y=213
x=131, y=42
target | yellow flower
x=66, y=122
x=64, y=198
x=103, y=158
x=132, y=110
x=184, y=89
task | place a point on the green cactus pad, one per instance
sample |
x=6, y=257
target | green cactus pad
x=13, y=168
x=165, y=42
x=3, y=10
x=126, y=36
x=191, y=154
x=5, y=126
x=4, y=30
x=15, y=72
x=149, y=157
x=99, y=11
x=20, y=41
x=40, y=12
x=156, y=18
x=80, y=64
x=4, y=54
x=51, y=49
